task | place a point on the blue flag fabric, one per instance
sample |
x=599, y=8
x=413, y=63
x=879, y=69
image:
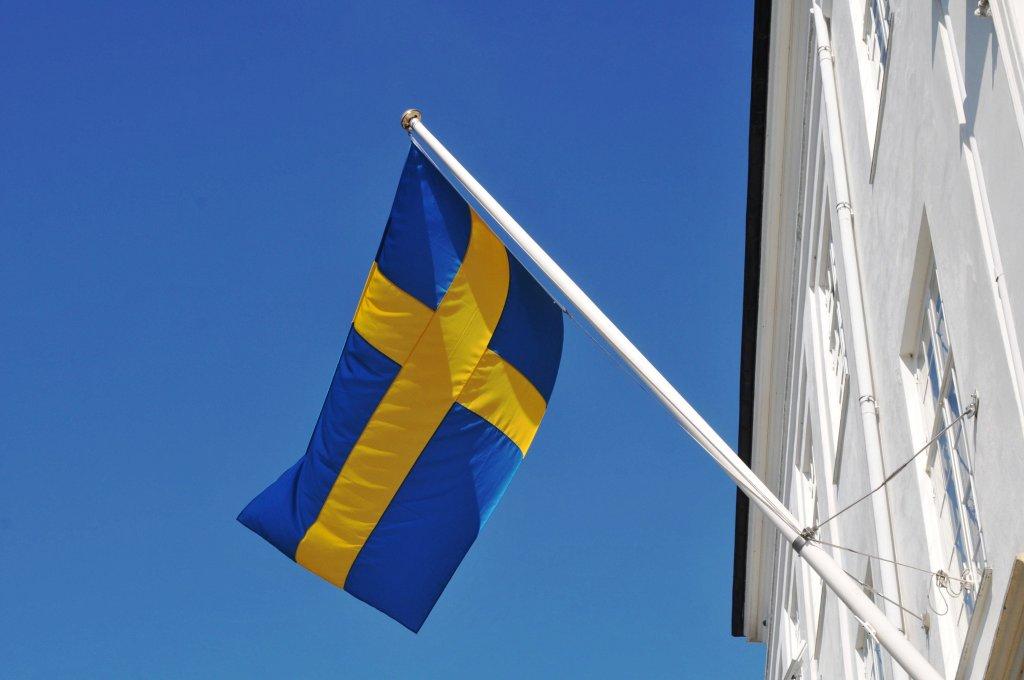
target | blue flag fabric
x=442, y=384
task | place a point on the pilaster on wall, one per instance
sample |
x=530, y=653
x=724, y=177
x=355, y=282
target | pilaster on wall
x=1008, y=17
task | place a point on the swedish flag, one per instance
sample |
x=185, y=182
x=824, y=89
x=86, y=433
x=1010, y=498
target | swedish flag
x=443, y=382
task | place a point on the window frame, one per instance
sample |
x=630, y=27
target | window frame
x=832, y=331
x=876, y=33
x=874, y=23
x=871, y=657
x=950, y=455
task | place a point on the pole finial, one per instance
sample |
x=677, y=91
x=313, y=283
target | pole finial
x=409, y=116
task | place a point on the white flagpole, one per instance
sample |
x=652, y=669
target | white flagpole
x=845, y=587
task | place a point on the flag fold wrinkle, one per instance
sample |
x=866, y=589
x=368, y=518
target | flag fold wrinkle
x=443, y=381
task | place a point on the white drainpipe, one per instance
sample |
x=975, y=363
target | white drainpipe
x=858, y=328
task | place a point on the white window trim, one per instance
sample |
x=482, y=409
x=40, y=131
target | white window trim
x=935, y=421
x=956, y=78
x=973, y=637
x=873, y=94
x=826, y=407
x=943, y=631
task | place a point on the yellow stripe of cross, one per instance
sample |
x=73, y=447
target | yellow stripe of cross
x=437, y=365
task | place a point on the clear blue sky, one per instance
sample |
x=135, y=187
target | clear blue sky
x=190, y=199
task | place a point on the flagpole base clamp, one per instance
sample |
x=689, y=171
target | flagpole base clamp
x=805, y=537
x=409, y=116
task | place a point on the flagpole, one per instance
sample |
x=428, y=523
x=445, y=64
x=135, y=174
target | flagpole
x=844, y=586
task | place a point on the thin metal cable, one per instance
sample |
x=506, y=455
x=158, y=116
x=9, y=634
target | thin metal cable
x=969, y=413
x=616, y=359
x=942, y=586
x=931, y=572
x=945, y=602
x=887, y=599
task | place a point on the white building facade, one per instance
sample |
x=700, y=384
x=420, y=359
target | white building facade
x=884, y=332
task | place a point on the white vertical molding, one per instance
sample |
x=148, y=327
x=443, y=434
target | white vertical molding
x=814, y=333
x=997, y=275
x=857, y=324
x=1008, y=27
x=1008, y=18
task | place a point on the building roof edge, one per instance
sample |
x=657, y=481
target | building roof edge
x=751, y=285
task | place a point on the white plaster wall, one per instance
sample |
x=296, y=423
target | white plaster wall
x=920, y=172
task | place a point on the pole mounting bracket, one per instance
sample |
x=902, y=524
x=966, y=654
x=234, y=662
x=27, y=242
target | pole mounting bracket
x=972, y=408
x=805, y=537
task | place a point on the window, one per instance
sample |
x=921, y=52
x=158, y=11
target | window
x=835, y=335
x=949, y=461
x=871, y=663
x=875, y=34
x=796, y=642
x=826, y=349
x=832, y=332
x=805, y=491
x=873, y=21
x=793, y=602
